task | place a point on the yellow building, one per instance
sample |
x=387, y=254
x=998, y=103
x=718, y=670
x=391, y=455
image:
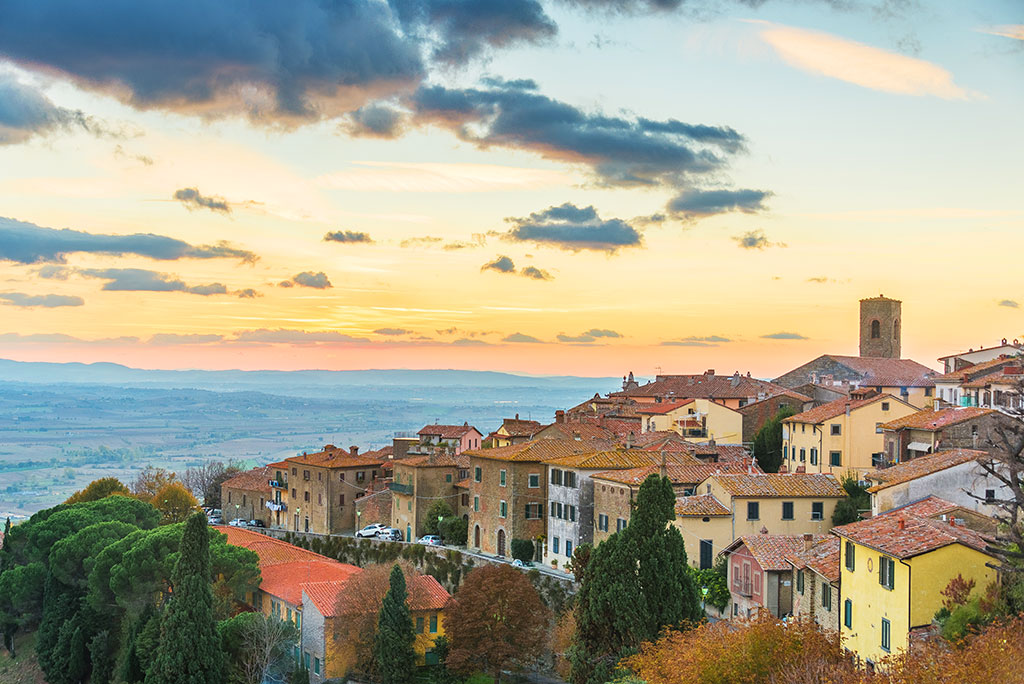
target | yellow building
x=706, y=526
x=840, y=436
x=696, y=420
x=894, y=567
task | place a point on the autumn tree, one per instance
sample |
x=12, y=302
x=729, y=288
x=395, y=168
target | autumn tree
x=97, y=489
x=174, y=502
x=768, y=441
x=495, y=622
x=189, y=651
x=636, y=583
x=393, y=642
x=150, y=481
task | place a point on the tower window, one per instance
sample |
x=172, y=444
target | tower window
x=876, y=330
x=896, y=329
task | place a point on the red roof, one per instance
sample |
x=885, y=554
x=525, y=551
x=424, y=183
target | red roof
x=257, y=479
x=704, y=386
x=516, y=427
x=425, y=593
x=664, y=407
x=820, y=414
x=333, y=457
x=285, y=580
x=822, y=558
x=690, y=472
x=701, y=505
x=888, y=372
x=447, y=431
x=770, y=550
x=929, y=419
x=271, y=551
x=921, y=466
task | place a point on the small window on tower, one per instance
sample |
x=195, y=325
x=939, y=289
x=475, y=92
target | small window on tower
x=876, y=330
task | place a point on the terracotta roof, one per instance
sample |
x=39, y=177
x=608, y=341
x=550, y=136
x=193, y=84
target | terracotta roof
x=906, y=532
x=333, y=457
x=822, y=558
x=700, y=505
x=765, y=485
x=575, y=430
x=888, y=372
x=257, y=479
x=664, y=407
x=281, y=465
x=382, y=453
x=515, y=427
x=428, y=461
x=1007, y=375
x=270, y=551
x=929, y=419
x=820, y=414
x=921, y=466
x=703, y=386
x=447, y=431
x=678, y=473
x=324, y=595
x=425, y=593
x=535, y=451
x=607, y=459
x=285, y=580
x=982, y=368
x=770, y=550
x=464, y=484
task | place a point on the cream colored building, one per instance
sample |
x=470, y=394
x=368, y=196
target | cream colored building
x=696, y=420
x=706, y=526
x=840, y=436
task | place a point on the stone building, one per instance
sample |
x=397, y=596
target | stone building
x=246, y=495
x=816, y=581
x=880, y=327
x=456, y=438
x=418, y=482
x=926, y=432
x=760, y=577
x=324, y=486
x=756, y=414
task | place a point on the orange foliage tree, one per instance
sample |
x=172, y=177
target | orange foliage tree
x=174, y=502
x=150, y=481
x=99, y=489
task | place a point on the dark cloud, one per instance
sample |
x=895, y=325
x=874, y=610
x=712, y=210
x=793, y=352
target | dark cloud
x=602, y=332
x=424, y=241
x=535, y=273
x=248, y=293
x=27, y=243
x=784, y=336
x=192, y=199
x=466, y=342
x=755, y=239
x=140, y=280
x=293, y=61
x=318, y=280
x=1011, y=303
x=49, y=301
x=575, y=228
x=521, y=338
x=619, y=151
x=693, y=204
x=26, y=112
x=374, y=121
x=286, y=336
x=462, y=29
x=502, y=264
x=580, y=339
x=347, y=236
x=628, y=6
x=392, y=331
x=174, y=338
x=697, y=341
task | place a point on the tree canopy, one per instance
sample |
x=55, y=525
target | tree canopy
x=97, y=489
x=393, y=643
x=768, y=441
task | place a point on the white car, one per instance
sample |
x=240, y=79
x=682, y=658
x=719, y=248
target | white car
x=430, y=540
x=239, y=522
x=390, y=534
x=371, y=530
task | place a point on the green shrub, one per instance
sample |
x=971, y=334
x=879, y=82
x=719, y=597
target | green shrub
x=522, y=549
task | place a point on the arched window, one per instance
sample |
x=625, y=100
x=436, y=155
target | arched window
x=876, y=330
x=896, y=329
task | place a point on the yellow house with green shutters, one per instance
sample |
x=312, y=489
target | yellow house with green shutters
x=894, y=567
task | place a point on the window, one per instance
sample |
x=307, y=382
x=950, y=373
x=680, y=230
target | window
x=885, y=635
x=826, y=596
x=341, y=476
x=800, y=582
x=554, y=510
x=477, y=474
x=990, y=496
x=556, y=476
x=476, y=504
x=785, y=452
x=602, y=522
x=316, y=666
x=305, y=474
x=534, y=511
x=293, y=492
x=620, y=524
x=814, y=456
x=320, y=499
x=835, y=458
x=878, y=428
x=849, y=556
x=501, y=477
x=319, y=476
x=886, y=570
x=502, y=508
x=554, y=545
x=570, y=479
x=465, y=499
x=534, y=481
x=289, y=615
x=433, y=623
x=341, y=501
x=448, y=477
x=243, y=499
x=753, y=510
x=817, y=510
x=572, y=513
x=360, y=475
x=885, y=406
x=229, y=497
x=419, y=625
x=294, y=470
x=876, y=330
x=803, y=454
x=568, y=548
x=408, y=505
x=787, y=510
x=836, y=429
x=305, y=658
x=848, y=613
x=803, y=427
x=561, y=510
x=305, y=496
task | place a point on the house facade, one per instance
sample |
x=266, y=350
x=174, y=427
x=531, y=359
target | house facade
x=954, y=475
x=816, y=581
x=695, y=420
x=323, y=488
x=246, y=495
x=456, y=438
x=931, y=430
x=706, y=526
x=760, y=577
x=418, y=482
x=758, y=413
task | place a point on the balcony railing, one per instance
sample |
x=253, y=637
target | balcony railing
x=400, y=488
x=279, y=484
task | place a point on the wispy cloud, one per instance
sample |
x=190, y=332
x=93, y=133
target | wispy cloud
x=192, y=200
x=694, y=203
x=317, y=281
x=697, y=341
x=521, y=338
x=49, y=301
x=1010, y=303
x=588, y=336
x=348, y=236
x=755, y=239
x=784, y=336
x=867, y=66
x=141, y=280
x=1015, y=31
x=392, y=332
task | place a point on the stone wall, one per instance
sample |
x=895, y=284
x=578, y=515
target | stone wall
x=374, y=508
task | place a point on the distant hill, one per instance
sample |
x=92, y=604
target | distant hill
x=289, y=382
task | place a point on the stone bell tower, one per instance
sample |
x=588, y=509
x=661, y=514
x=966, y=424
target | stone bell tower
x=880, y=327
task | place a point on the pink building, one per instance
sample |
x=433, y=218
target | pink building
x=760, y=577
x=462, y=437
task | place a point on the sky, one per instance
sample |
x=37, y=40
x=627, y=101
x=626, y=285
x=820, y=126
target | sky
x=583, y=187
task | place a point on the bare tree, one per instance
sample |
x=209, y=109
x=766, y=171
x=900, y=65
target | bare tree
x=205, y=479
x=266, y=642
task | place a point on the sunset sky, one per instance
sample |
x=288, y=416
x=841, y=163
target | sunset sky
x=577, y=187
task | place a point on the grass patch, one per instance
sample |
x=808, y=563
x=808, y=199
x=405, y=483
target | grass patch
x=23, y=669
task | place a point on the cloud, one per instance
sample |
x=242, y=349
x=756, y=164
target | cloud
x=755, y=239
x=174, y=339
x=692, y=204
x=591, y=335
x=317, y=280
x=287, y=336
x=819, y=280
x=192, y=200
x=535, y=273
x=1015, y=31
x=140, y=280
x=27, y=243
x=784, y=336
x=583, y=339
x=290, y=62
x=392, y=331
x=248, y=293
x=49, y=301
x=374, y=121
x=521, y=338
x=347, y=236
x=1011, y=303
x=618, y=151
x=697, y=341
x=602, y=332
x=502, y=264
x=466, y=342
x=828, y=55
x=424, y=241
x=574, y=228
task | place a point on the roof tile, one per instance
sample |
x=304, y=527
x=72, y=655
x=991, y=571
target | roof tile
x=921, y=466
x=765, y=485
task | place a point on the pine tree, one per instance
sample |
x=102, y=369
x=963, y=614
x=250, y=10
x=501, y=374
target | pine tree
x=393, y=643
x=189, y=651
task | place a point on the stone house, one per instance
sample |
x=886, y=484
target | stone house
x=908, y=380
x=973, y=357
x=418, y=482
x=457, y=438
x=246, y=495
x=816, y=581
x=324, y=486
x=760, y=577
x=513, y=431
x=928, y=431
x=756, y=414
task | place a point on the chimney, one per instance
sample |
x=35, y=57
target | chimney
x=663, y=471
x=329, y=447
x=629, y=440
x=902, y=523
x=808, y=541
x=559, y=416
x=354, y=450
x=710, y=372
x=517, y=416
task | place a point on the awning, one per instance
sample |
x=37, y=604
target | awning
x=919, y=446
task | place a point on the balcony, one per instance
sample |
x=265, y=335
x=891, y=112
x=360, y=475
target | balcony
x=279, y=484
x=397, y=488
x=743, y=589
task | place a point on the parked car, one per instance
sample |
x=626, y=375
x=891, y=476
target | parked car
x=215, y=520
x=430, y=540
x=256, y=523
x=390, y=534
x=371, y=530
x=239, y=522
x=520, y=564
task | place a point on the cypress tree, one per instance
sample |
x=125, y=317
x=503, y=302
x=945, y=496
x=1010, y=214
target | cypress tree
x=393, y=642
x=189, y=651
